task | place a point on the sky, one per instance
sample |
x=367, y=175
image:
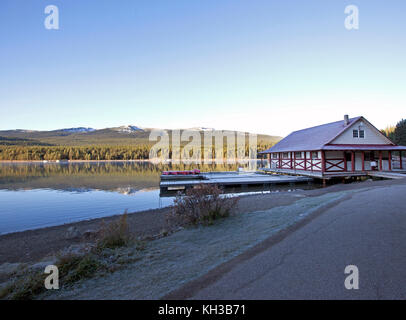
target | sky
x=261, y=66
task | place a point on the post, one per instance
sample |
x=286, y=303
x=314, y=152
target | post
x=280, y=160
x=323, y=161
x=363, y=160
x=294, y=160
x=305, y=160
x=269, y=160
x=345, y=161
x=380, y=160
x=390, y=160
x=291, y=164
x=352, y=161
x=400, y=158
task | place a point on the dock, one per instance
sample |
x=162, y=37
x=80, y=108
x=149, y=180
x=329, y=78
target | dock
x=229, y=179
x=387, y=174
x=394, y=174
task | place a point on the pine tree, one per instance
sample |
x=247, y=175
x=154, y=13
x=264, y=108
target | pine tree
x=399, y=135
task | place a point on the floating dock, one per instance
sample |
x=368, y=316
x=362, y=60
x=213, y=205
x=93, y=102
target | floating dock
x=228, y=179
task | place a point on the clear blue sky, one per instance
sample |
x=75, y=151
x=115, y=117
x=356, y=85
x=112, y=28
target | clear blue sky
x=263, y=66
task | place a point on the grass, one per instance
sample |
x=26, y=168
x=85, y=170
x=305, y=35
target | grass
x=74, y=268
x=25, y=287
x=28, y=283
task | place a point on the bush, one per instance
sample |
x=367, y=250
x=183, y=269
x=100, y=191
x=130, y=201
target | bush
x=73, y=267
x=115, y=234
x=25, y=287
x=201, y=205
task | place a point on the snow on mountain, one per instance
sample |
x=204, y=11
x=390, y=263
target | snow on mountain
x=201, y=129
x=79, y=129
x=128, y=129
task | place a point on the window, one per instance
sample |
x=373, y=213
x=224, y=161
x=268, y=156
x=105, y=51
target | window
x=362, y=134
x=285, y=155
x=355, y=133
x=367, y=156
x=315, y=154
x=298, y=155
x=274, y=155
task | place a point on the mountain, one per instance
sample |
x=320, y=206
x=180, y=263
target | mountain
x=127, y=129
x=79, y=129
x=11, y=141
x=83, y=136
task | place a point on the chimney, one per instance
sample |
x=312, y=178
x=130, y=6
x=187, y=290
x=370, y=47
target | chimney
x=346, y=120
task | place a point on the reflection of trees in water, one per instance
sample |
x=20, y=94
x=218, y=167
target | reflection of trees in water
x=94, y=175
x=92, y=168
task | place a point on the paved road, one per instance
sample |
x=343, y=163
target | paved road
x=367, y=230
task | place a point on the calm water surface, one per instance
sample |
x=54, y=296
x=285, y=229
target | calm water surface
x=39, y=195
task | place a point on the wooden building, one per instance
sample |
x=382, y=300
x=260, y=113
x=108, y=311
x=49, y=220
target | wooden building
x=343, y=148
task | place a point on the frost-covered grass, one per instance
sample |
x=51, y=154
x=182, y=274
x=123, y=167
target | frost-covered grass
x=170, y=262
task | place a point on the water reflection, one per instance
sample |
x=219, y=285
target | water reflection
x=35, y=195
x=122, y=177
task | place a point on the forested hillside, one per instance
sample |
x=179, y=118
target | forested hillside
x=107, y=144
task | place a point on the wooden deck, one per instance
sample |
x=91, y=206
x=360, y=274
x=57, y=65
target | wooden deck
x=388, y=174
x=230, y=179
x=394, y=174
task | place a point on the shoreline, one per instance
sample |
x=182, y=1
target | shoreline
x=36, y=244
x=157, y=161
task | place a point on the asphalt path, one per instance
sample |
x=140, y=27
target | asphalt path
x=366, y=229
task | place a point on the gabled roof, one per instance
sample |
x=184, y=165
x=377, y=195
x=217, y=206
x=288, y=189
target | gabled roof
x=314, y=138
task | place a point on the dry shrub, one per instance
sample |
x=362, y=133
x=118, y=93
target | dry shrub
x=201, y=205
x=114, y=234
x=25, y=287
x=73, y=267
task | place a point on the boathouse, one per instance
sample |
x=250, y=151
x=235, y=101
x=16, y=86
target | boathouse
x=350, y=147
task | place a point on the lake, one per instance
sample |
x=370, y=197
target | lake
x=36, y=195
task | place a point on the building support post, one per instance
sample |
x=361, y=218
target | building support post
x=345, y=162
x=400, y=158
x=390, y=160
x=291, y=162
x=294, y=160
x=352, y=161
x=304, y=166
x=363, y=160
x=323, y=161
x=280, y=160
x=380, y=160
x=269, y=160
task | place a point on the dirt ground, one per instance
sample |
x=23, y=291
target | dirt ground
x=34, y=245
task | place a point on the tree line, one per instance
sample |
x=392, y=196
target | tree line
x=53, y=153
x=397, y=133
